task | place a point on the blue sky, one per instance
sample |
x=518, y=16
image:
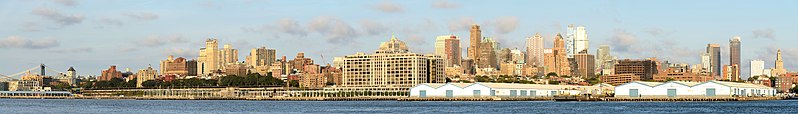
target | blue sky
x=93, y=34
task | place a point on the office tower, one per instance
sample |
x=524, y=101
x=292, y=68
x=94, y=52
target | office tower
x=734, y=52
x=504, y=55
x=581, y=42
x=555, y=59
x=779, y=70
x=448, y=47
x=585, y=65
x=757, y=68
x=191, y=66
x=569, y=41
x=210, y=58
x=392, y=68
x=145, y=74
x=300, y=61
x=534, y=50
x=468, y=66
x=261, y=56
x=488, y=57
x=475, y=41
x=230, y=55
x=605, y=62
x=714, y=59
x=645, y=69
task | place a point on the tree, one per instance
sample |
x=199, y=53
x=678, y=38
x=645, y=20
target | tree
x=550, y=74
x=554, y=82
x=794, y=89
x=294, y=83
x=669, y=79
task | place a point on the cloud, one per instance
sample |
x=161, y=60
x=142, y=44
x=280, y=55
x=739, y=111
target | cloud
x=336, y=30
x=443, y=4
x=292, y=27
x=389, y=7
x=72, y=50
x=181, y=52
x=506, y=25
x=129, y=49
x=461, y=24
x=142, y=15
x=373, y=28
x=763, y=33
x=160, y=40
x=622, y=41
x=66, y=2
x=20, y=42
x=31, y=27
x=768, y=54
x=113, y=22
x=54, y=15
x=655, y=31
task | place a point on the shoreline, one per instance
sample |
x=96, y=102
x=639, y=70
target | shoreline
x=607, y=99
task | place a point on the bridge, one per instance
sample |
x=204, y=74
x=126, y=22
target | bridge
x=42, y=68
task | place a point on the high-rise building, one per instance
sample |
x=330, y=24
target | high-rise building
x=230, y=55
x=714, y=59
x=779, y=70
x=236, y=69
x=391, y=68
x=300, y=61
x=705, y=63
x=585, y=65
x=645, y=69
x=448, y=47
x=504, y=55
x=757, y=68
x=172, y=66
x=570, y=37
x=145, y=74
x=109, y=74
x=475, y=41
x=734, y=52
x=605, y=62
x=261, y=56
x=534, y=50
x=210, y=58
x=488, y=57
x=581, y=42
x=555, y=59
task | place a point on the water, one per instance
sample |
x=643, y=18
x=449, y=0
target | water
x=71, y=106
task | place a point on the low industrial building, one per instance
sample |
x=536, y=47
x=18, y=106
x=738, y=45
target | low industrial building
x=681, y=89
x=471, y=90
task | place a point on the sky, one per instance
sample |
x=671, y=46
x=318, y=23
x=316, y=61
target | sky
x=92, y=35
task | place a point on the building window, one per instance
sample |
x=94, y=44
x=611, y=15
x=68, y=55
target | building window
x=477, y=93
x=532, y=93
x=492, y=92
x=513, y=93
x=633, y=93
x=523, y=93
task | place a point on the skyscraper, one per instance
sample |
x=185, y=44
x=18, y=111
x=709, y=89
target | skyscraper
x=261, y=56
x=448, y=47
x=605, y=62
x=714, y=59
x=145, y=74
x=570, y=37
x=475, y=41
x=230, y=55
x=488, y=57
x=585, y=65
x=555, y=58
x=705, y=63
x=210, y=58
x=534, y=50
x=581, y=43
x=757, y=68
x=734, y=52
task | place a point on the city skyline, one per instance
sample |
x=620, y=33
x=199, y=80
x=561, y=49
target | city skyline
x=63, y=34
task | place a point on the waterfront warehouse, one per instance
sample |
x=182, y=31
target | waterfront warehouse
x=472, y=90
x=681, y=89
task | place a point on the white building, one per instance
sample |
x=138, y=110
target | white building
x=757, y=66
x=679, y=89
x=451, y=90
